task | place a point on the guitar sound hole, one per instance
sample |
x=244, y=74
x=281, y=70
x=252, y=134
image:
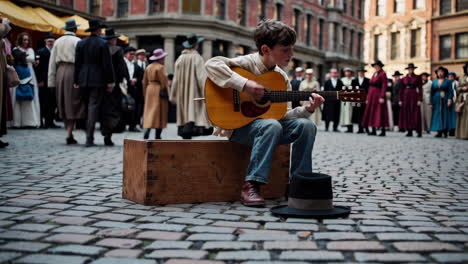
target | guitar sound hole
x=249, y=109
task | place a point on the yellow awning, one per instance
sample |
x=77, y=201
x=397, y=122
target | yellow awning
x=23, y=17
x=50, y=18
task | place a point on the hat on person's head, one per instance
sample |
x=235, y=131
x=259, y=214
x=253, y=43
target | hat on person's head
x=411, y=66
x=397, y=73
x=378, y=63
x=95, y=24
x=70, y=24
x=347, y=69
x=110, y=34
x=158, y=54
x=361, y=69
x=425, y=74
x=192, y=40
x=129, y=49
x=49, y=36
x=441, y=68
x=453, y=73
x=139, y=51
x=309, y=71
x=299, y=69
x=311, y=196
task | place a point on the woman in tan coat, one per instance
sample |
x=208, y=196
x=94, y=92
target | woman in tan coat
x=155, y=90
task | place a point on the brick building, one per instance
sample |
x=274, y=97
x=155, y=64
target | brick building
x=330, y=32
x=425, y=32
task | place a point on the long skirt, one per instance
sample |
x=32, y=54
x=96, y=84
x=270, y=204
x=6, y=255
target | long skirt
x=69, y=103
x=410, y=112
x=376, y=114
x=346, y=114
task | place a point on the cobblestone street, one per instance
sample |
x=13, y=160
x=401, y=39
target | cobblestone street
x=62, y=204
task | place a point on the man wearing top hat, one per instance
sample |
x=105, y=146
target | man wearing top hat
x=395, y=93
x=188, y=84
x=93, y=74
x=60, y=77
x=410, y=99
x=46, y=96
x=360, y=82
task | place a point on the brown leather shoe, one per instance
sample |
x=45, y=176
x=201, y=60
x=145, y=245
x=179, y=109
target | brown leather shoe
x=250, y=194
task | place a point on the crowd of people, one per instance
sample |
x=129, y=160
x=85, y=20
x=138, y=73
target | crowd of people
x=412, y=103
x=90, y=80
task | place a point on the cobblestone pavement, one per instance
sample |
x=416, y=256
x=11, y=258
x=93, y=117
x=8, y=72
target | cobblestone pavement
x=62, y=204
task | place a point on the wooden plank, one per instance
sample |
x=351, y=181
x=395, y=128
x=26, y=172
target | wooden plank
x=135, y=171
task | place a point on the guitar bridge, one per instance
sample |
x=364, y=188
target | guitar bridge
x=236, y=100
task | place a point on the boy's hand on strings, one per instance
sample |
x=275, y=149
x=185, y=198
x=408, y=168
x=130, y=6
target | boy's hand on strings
x=255, y=89
x=315, y=101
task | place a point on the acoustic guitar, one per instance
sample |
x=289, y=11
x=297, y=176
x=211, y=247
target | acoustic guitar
x=231, y=109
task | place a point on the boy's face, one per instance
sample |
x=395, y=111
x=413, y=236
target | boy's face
x=279, y=54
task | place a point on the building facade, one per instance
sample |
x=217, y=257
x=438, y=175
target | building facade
x=330, y=32
x=425, y=32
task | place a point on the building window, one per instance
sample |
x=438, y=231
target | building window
x=156, y=6
x=445, y=7
x=322, y=2
x=461, y=45
x=395, y=45
x=359, y=47
x=360, y=9
x=295, y=22
x=94, y=7
x=345, y=6
x=415, y=43
x=191, y=7
x=220, y=9
x=278, y=12
x=122, y=8
x=262, y=4
x=445, y=47
x=380, y=8
x=377, y=46
x=335, y=37
x=418, y=4
x=462, y=5
x=352, y=8
x=399, y=6
x=351, y=43
x=308, y=29
x=67, y=3
x=241, y=12
x=320, y=34
x=344, y=38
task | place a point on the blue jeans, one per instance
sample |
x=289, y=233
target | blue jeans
x=265, y=134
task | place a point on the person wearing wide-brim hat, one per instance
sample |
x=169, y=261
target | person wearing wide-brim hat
x=376, y=113
x=443, y=110
x=110, y=34
x=395, y=90
x=310, y=195
x=188, y=84
x=360, y=82
x=410, y=100
x=156, y=94
x=94, y=76
x=70, y=25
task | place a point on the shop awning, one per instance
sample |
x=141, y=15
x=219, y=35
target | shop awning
x=24, y=17
x=50, y=18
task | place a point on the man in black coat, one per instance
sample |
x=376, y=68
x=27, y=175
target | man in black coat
x=46, y=95
x=332, y=106
x=295, y=83
x=93, y=75
x=135, y=87
x=360, y=82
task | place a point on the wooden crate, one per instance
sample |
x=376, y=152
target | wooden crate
x=192, y=171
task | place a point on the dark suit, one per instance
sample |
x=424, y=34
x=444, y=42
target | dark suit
x=137, y=93
x=46, y=97
x=358, y=112
x=332, y=106
x=93, y=71
x=295, y=83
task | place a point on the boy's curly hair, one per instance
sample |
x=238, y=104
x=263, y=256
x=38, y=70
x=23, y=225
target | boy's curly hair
x=272, y=32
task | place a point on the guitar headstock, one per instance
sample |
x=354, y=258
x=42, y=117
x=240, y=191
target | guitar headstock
x=353, y=95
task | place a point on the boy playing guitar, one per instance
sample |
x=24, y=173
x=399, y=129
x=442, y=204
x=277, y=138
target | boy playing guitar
x=275, y=42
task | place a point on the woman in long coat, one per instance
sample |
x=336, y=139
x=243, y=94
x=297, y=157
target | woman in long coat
x=410, y=99
x=442, y=104
x=376, y=114
x=155, y=90
x=310, y=84
x=462, y=98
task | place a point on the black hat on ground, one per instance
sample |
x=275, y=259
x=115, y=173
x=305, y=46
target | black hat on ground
x=192, y=40
x=311, y=196
x=70, y=25
x=110, y=34
x=378, y=63
x=397, y=73
x=411, y=66
x=95, y=24
x=129, y=49
x=361, y=69
x=441, y=68
x=49, y=36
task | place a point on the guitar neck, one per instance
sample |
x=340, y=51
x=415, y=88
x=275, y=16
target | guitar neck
x=288, y=96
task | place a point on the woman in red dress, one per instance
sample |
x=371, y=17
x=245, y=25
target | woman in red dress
x=376, y=115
